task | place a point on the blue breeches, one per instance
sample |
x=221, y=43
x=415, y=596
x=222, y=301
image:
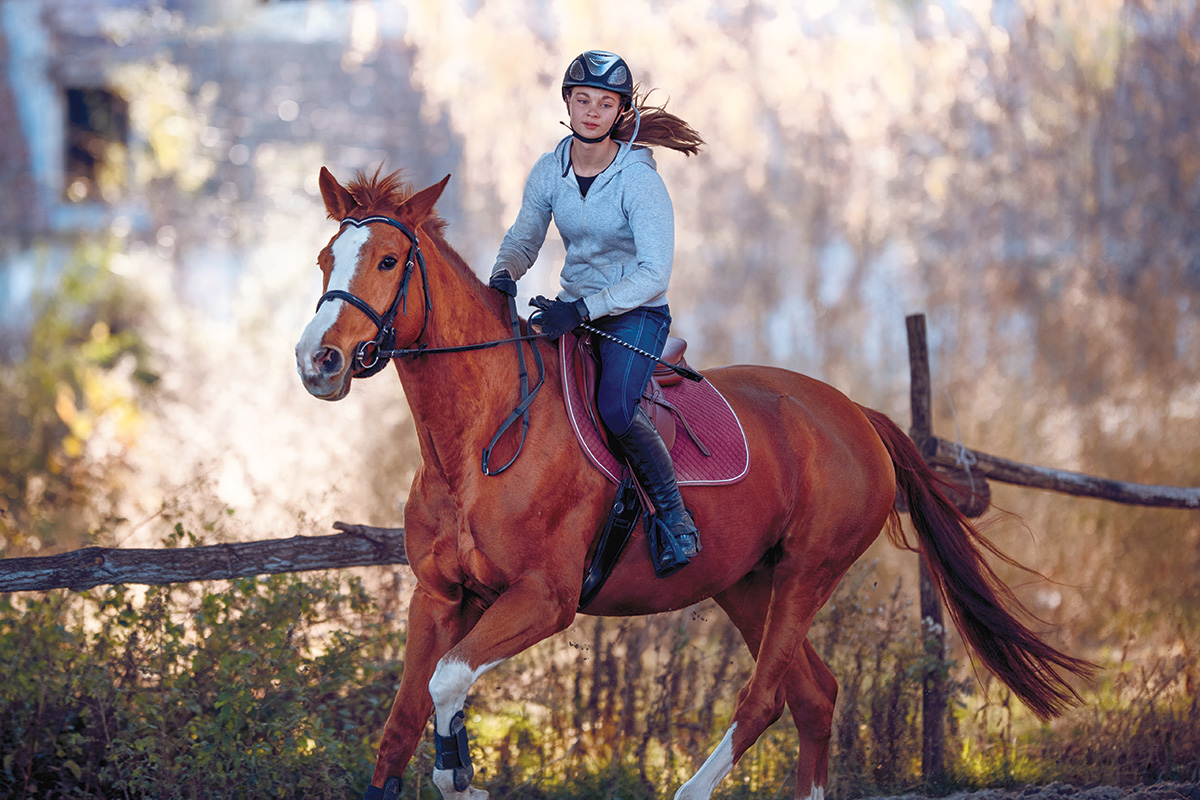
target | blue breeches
x=624, y=373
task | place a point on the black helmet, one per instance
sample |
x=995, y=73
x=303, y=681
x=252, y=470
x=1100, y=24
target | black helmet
x=600, y=69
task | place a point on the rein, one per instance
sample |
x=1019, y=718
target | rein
x=372, y=356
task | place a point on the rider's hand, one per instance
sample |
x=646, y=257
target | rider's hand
x=502, y=282
x=558, y=317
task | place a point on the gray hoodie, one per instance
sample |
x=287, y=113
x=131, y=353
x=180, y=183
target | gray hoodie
x=620, y=239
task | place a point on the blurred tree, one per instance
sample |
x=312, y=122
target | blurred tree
x=69, y=408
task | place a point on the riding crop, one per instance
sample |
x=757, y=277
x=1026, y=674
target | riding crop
x=680, y=369
x=685, y=371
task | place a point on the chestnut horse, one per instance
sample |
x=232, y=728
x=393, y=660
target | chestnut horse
x=499, y=559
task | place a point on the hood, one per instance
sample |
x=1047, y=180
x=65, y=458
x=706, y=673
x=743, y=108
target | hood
x=627, y=154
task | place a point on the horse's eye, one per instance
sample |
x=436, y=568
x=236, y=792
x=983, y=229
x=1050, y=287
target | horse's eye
x=389, y=262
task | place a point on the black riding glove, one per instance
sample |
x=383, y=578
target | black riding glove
x=502, y=282
x=558, y=316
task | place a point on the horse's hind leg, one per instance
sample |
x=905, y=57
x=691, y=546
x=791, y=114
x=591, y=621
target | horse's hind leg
x=808, y=687
x=812, y=700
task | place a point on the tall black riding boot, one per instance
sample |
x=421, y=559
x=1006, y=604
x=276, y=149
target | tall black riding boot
x=672, y=534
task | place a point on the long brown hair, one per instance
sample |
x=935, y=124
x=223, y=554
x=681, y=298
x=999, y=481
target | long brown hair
x=658, y=128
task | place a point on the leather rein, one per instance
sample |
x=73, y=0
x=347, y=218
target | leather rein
x=373, y=355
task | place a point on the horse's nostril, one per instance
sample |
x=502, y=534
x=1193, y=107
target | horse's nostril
x=328, y=361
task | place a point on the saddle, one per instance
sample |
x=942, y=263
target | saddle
x=712, y=451
x=654, y=399
x=712, y=448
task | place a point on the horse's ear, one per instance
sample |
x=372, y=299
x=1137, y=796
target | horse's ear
x=421, y=204
x=338, y=202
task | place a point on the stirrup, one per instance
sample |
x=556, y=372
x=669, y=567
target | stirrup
x=670, y=552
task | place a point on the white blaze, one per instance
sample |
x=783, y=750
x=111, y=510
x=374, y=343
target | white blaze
x=347, y=249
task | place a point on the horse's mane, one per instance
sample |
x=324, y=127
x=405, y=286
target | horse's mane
x=383, y=194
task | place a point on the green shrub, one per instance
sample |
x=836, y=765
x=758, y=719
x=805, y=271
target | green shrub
x=1138, y=725
x=76, y=378
x=279, y=687
x=266, y=688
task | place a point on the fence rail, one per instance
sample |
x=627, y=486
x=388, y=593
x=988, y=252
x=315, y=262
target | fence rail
x=943, y=453
x=363, y=545
x=355, y=546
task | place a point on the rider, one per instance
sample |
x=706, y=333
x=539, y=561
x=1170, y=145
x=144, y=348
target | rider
x=612, y=210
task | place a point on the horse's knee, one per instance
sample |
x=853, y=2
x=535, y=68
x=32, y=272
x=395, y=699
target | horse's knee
x=755, y=712
x=448, y=687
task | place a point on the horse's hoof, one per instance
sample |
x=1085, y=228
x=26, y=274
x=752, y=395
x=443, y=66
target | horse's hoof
x=462, y=777
x=390, y=790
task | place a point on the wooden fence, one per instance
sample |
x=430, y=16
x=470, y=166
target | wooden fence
x=361, y=545
x=971, y=469
x=355, y=546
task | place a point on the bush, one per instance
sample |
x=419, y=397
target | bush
x=1137, y=726
x=280, y=687
x=267, y=688
x=69, y=404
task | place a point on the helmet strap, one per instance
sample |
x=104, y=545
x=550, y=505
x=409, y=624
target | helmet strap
x=586, y=140
x=595, y=140
x=637, y=125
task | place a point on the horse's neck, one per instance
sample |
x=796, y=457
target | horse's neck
x=459, y=399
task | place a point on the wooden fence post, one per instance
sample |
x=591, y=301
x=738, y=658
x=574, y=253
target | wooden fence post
x=933, y=701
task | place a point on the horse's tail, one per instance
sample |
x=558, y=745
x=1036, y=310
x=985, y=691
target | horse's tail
x=981, y=605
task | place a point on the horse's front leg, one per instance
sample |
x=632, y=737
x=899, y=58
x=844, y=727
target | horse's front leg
x=435, y=624
x=525, y=614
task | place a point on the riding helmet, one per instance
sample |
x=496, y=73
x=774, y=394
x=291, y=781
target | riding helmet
x=600, y=69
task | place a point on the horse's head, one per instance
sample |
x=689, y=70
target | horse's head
x=374, y=291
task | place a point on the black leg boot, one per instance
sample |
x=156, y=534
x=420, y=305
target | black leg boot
x=672, y=534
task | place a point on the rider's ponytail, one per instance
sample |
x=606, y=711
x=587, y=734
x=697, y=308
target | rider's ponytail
x=657, y=126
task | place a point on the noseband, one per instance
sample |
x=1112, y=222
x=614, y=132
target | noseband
x=373, y=355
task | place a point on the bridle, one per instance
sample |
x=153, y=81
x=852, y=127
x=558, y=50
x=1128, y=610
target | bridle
x=371, y=356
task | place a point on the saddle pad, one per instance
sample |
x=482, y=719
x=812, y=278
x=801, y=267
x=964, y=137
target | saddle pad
x=705, y=409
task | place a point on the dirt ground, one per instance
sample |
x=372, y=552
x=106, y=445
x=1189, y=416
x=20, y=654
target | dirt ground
x=1063, y=791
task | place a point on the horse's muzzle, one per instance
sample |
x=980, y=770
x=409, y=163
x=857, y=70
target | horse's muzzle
x=323, y=371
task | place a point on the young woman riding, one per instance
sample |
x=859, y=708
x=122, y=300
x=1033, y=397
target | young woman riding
x=613, y=212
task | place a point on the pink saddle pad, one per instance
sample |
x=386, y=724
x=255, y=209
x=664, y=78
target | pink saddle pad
x=707, y=412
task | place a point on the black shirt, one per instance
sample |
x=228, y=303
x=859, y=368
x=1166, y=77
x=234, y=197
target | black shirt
x=585, y=183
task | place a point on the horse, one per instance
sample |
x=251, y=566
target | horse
x=499, y=557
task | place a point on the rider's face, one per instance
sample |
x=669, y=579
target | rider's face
x=592, y=111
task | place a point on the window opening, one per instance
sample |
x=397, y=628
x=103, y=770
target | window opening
x=97, y=132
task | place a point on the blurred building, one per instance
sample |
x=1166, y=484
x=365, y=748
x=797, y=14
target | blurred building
x=178, y=124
